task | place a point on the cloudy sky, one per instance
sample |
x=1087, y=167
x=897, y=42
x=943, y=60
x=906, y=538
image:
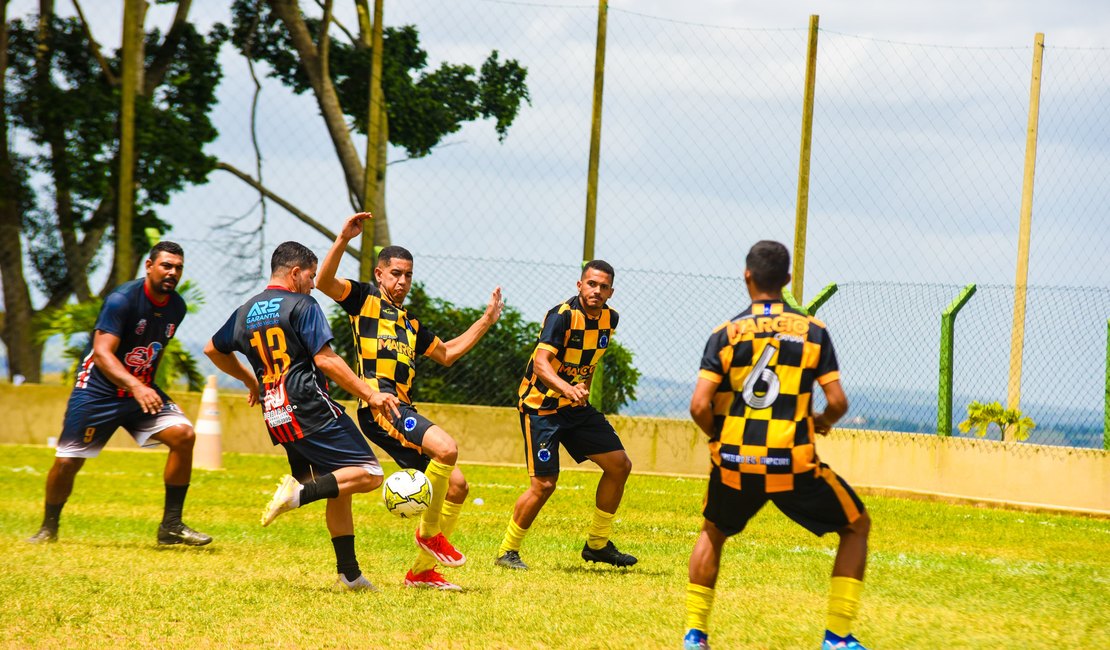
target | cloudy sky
x=917, y=162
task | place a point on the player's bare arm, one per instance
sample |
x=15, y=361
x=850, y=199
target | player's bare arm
x=336, y=369
x=701, y=404
x=104, y=356
x=326, y=281
x=837, y=407
x=452, y=350
x=230, y=364
x=578, y=394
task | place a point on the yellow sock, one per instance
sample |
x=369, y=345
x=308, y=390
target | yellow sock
x=449, y=517
x=699, y=600
x=843, y=604
x=438, y=475
x=600, y=529
x=514, y=535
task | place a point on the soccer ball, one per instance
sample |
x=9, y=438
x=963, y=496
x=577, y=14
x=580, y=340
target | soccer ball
x=407, y=493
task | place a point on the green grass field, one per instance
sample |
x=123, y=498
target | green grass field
x=939, y=575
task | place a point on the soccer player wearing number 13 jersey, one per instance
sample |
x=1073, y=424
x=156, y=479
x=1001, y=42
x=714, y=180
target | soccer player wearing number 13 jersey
x=286, y=338
x=754, y=401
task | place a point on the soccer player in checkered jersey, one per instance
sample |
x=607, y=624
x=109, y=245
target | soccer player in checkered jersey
x=388, y=340
x=286, y=339
x=115, y=388
x=753, y=399
x=555, y=411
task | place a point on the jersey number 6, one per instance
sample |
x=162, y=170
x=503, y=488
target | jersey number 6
x=761, y=371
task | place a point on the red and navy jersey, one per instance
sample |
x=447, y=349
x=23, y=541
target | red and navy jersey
x=143, y=326
x=280, y=332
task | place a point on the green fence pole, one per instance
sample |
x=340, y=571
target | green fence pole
x=947, y=331
x=1106, y=405
x=821, y=298
x=789, y=299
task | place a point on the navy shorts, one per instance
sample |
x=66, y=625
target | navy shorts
x=582, y=430
x=336, y=446
x=820, y=502
x=401, y=438
x=92, y=418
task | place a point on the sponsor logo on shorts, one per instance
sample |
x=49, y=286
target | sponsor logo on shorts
x=410, y=423
x=141, y=326
x=544, y=455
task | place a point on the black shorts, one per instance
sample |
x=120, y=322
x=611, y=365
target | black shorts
x=401, y=438
x=336, y=446
x=91, y=419
x=821, y=502
x=582, y=430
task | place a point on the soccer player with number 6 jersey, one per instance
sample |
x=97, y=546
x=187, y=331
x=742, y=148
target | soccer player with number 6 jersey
x=753, y=399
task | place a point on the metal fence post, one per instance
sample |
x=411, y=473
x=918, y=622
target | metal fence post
x=802, y=207
x=947, y=332
x=1106, y=404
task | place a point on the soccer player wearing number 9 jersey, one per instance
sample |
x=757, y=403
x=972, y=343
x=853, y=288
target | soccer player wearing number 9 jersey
x=754, y=400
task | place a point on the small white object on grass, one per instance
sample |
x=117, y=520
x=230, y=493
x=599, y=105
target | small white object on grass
x=478, y=501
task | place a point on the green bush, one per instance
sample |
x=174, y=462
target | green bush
x=489, y=374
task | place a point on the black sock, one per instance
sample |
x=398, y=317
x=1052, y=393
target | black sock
x=51, y=516
x=325, y=487
x=345, y=560
x=175, y=502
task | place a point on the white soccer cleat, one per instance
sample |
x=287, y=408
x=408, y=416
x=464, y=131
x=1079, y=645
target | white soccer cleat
x=358, y=584
x=286, y=498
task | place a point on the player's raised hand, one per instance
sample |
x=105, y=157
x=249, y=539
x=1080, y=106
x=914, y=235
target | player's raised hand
x=353, y=226
x=495, y=305
x=387, y=404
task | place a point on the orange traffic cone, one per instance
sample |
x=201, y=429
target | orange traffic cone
x=207, y=452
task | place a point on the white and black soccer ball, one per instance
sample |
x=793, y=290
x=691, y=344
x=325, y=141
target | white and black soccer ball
x=407, y=493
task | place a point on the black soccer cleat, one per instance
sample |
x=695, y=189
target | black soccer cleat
x=511, y=560
x=182, y=534
x=609, y=555
x=45, y=535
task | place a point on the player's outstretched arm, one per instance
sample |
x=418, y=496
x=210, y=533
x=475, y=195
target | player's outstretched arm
x=231, y=365
x=837, y=407
x=701, y=405
x=104, y=356
x=336, y=369
x=325, y=275
x=452, y=350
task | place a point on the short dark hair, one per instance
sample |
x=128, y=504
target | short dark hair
x=600, y=265
x=390, y=252
x=170, y=247
x=769, y=263
x=289, y=254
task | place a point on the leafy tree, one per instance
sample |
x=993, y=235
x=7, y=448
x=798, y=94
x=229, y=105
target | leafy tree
x=61, y=95
x=489, y=374
x=1010, y=422
x=75, y=322
x=422, y=106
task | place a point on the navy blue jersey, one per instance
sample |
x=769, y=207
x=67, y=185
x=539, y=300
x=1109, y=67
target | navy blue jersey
x=144, y=328
x=280, y=332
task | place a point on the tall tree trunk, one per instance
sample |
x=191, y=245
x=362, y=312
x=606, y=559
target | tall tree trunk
x=24, y=355
x=289, y=13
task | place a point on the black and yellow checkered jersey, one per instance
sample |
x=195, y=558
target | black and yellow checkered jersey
x=387, y=340
x=577, y=342
x=765, y=362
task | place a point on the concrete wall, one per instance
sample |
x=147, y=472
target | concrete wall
x=959, y=468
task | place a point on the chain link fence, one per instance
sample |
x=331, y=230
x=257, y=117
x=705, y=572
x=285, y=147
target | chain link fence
x=917, y=162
